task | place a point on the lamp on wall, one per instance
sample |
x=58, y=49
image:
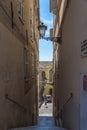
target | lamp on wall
x=42, y=29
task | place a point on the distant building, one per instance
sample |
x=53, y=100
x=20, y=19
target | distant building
x=45, y=78
x=70, y=63
x=19, y=37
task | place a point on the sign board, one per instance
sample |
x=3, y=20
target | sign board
x=84, y=48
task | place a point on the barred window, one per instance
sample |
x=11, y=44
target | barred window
x=33, y=64
x=26, y=63
x=26, y=71
x=31, y=23
x=21, y=9
x=50, y=75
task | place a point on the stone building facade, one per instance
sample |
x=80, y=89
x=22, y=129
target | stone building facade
x=19, y=37
x=70, y=63
x=45, y=78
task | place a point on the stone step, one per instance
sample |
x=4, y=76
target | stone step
x=44, y=123
x=39, y=128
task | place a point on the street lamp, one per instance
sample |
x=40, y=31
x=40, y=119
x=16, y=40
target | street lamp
x=42, y=29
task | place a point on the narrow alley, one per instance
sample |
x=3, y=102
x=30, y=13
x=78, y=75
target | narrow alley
x=43, y=51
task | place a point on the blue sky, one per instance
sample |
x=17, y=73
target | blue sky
x=46, y=47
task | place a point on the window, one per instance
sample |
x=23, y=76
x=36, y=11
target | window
x=26, y=71
x=31, y=23
x=21, y=10
x=26, y=62
x=50, y=75
x=44, y=76
x=33, y=64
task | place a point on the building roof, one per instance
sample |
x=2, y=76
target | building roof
x=45, y=64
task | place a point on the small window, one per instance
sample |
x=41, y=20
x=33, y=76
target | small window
x=26, y=71
x=26, y=63
x=44, y=76
x=31, y=23
x=21, y=9
x=33, y=64
x=50, y=75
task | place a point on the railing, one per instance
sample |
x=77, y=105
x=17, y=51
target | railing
x=13, y=101
x=58, y=116
x=71, y=95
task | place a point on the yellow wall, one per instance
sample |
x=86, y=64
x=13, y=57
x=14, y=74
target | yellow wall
x=47, y=86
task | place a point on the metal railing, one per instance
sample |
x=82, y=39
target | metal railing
x=71, y=95
x=58, y=116
x=13, y=101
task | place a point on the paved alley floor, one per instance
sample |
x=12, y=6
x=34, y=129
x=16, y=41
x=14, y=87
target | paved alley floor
x=43, y=111
x=45, y=120
x=44, y=123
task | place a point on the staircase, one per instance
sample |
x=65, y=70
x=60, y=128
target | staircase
x=44, y=123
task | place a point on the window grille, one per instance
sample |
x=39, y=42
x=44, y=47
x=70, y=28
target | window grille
x=21, y=9
x=31, y=23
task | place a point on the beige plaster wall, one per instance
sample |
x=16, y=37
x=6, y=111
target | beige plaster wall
x=73, y=33
x=11, y=80
x=12, y=43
